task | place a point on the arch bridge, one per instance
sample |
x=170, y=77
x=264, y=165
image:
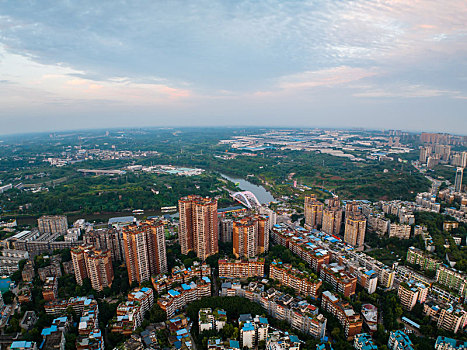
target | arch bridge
x=246, y=198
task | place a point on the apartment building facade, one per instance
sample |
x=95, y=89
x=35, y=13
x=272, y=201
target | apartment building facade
x=343, y=311
x=355, y=227
x=313, y=212
x=52, y=224
x=303, y=283
x=198, y=228
x=94, y=264
x=145, y=253
x=241, y=268
x=250, y=236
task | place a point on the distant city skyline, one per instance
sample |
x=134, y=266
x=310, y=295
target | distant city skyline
x=331, y=64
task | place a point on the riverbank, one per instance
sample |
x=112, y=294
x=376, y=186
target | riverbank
x=263, y=195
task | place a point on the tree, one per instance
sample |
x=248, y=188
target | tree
x=16, y=276
x=8, y=297
x=156, y=314
x=236, y=333
x=13, y=327
x=227, y=331
x=71, y=312
x=335, y=333
x=380, y=336
x=188, y=262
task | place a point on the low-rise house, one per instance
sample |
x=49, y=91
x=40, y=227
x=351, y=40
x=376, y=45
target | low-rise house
x=348, y=318
x=398, y=340
x=25, y=295
x=279, y=340
x=303, y=283
x=363, y=341
x=28, y=273
x=370, y=317
x=179, y=297
x=23, y=345
x=29, y=320
x=444, y=343
x=50, y=289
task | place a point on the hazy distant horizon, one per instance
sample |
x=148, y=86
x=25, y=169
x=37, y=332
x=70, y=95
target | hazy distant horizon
x=247, y=127
x=326, y=63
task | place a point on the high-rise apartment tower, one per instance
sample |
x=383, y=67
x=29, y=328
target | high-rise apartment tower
x=144, y=246
x=198, y=228
x=250, y=236
x=94, y=264
x=355, y=226
x=52, y=224
x=458, y=181
x=313, y=212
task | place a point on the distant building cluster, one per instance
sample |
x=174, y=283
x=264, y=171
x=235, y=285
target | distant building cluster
x=167, y=169
x=72, y=156
x=330, y=245
x=42, y=239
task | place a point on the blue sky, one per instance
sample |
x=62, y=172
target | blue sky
x=375, y=64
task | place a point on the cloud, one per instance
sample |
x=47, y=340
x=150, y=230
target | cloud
x=326, y=77
x=225, y=45
x=315, y=81
x=66, y=83
x=218, y=57
x=406, y=91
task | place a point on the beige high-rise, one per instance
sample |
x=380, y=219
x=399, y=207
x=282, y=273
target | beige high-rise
x=106, y=238
x=352, y=208
x=144, y=246
x=333, y=202
x=198, y=228
x=313, y=212
x=458, y=180
x=79, y=264
x=355, y=226
x=52, y=224
x=250, y=236
x=332, y=220
x=94, y=264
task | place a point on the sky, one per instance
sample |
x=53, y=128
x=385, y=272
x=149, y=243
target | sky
x=399, y=64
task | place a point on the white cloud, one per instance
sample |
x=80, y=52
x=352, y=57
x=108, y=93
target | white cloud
x=406, y=91
x=325, y=77
x=57, y=82
x=218, y=56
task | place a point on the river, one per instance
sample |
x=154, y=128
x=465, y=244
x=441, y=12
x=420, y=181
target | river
x=264, y=197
